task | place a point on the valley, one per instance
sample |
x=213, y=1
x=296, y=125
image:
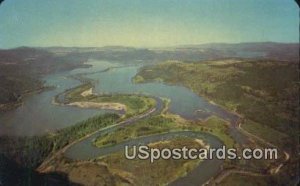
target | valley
x=84, y=121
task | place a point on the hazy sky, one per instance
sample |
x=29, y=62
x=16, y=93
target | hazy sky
x=145, y=23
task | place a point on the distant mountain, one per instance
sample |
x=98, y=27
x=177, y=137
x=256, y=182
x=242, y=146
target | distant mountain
x=265, y=50
x=269, y=50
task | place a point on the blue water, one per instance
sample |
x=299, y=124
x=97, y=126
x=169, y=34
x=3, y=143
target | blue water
x=183, y=101
x=37, y=115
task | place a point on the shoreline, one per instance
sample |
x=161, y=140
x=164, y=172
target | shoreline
x=14, y=105
x=42, y=168
x=224, y=173
x=206, y=98
x=102, y=105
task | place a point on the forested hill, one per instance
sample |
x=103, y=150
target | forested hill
x=21, y=70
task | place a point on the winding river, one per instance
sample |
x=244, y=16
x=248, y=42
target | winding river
x=85, y=150
x=37, y=115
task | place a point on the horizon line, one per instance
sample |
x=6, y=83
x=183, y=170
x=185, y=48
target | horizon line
x=152, y=47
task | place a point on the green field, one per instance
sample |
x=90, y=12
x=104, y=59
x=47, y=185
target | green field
x=160, y=172
x=262, y=91
x=217, y=127
x=135, y=104
x=148, y=126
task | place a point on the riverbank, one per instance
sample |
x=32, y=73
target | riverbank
x=109, y=106
x=149, y=126
x=82, y=96
x=122, y=122
x=242, y=87
x=20, y=101
x=17, y=152
x=22, y=70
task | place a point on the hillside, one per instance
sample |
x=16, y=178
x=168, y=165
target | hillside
x=21, y=70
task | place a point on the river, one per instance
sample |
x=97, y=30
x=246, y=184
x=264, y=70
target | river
x=37, y=115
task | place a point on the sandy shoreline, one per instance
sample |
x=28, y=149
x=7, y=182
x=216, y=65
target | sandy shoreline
x=87, y=92
x=202, y=143
x=110, y=106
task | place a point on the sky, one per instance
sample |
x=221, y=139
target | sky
x=146, y=23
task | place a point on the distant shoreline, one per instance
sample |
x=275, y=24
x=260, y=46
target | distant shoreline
x=15, y=104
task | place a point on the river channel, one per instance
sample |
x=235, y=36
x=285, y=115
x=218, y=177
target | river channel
x=38, y=115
